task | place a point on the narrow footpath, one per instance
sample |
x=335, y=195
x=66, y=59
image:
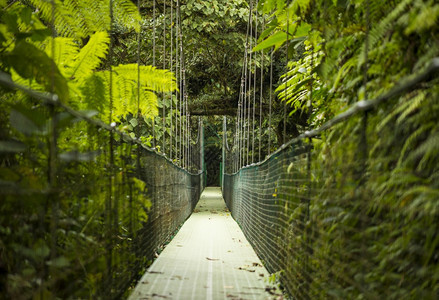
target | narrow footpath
x=209, y=258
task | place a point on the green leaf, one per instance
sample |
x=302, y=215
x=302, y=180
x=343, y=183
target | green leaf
x=40, y=249
x=302, y=30
x=280, y=37
x=91, y=56
x=276, y=40
x=32, y=63
x=26, y=15
x=11, y=21
x=269, y=29
x=39, y=35
x=134, y=122
x=59, y=262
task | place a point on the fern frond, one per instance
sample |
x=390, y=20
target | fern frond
x=425, y=60
x=149, y=104
x=124, y=90
x=300, y=6
x=155, y=79
x=94, y=14
x=425, y=19
x=66, y=22
x=123, y=94
x=384, y=26
x=408, y=104
x=127, y=14
x=94, y=93
x=65, y=51
x=81, y=18
x=414, y=104
x=32, y=84
x=90, y=56
x=429, y=148
x=429, y=151
x=410, y=143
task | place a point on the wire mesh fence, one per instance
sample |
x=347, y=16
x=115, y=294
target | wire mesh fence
x=350, y=210
x=83, y=208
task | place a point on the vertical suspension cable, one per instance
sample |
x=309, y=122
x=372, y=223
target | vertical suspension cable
x=243, y=101
x=269, y=104
x=138, y=96
x=184, y=119
x=260, y=97
x=286, y=66
x=254, y=86
x=249, y=82
x=164, y=67
x=188, y=135
x=240, y=102
x=244, y=113
x=111, y=163
x=138, y=72
x=177, y=78
x=238, y=127
x=181, y=84
x=245, y=90
x=172, y=93
x=242, y=127
x=235, y=144
x=153, y=64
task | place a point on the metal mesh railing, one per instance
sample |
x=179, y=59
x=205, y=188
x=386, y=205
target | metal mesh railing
x=350, y=210
x=84, y=208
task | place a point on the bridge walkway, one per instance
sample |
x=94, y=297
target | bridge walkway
x=209, y=258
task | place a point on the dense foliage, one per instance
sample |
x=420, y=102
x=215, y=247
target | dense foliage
x=361, y=221
x=72, y=205
x=377, y=174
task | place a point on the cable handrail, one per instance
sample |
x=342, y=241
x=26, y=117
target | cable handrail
x=53, y=99
x=361, y=106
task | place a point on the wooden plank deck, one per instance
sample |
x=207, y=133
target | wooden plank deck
x=209, y=258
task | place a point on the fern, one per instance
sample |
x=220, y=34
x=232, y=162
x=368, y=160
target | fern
x=295, y=88
x=427, y=151
x=300, y=6
x=94, y=93
x=124, y=89
x=65, y=51
x=148, y=104
x=66, y=22
x=127, y=14
x=90, y=56
x=414, y=104
x=80, y=19
x=155, y=79
x=424, y=19
x=410, y=143
x=384, y=26
x=94, y=15
x=391, y=116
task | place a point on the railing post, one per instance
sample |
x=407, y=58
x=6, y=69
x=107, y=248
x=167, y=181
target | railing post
x=224, y=150
x=202, y=166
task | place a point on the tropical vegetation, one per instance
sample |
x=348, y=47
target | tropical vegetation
x=81, y=78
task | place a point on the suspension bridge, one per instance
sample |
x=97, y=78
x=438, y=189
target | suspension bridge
x=156, y=203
